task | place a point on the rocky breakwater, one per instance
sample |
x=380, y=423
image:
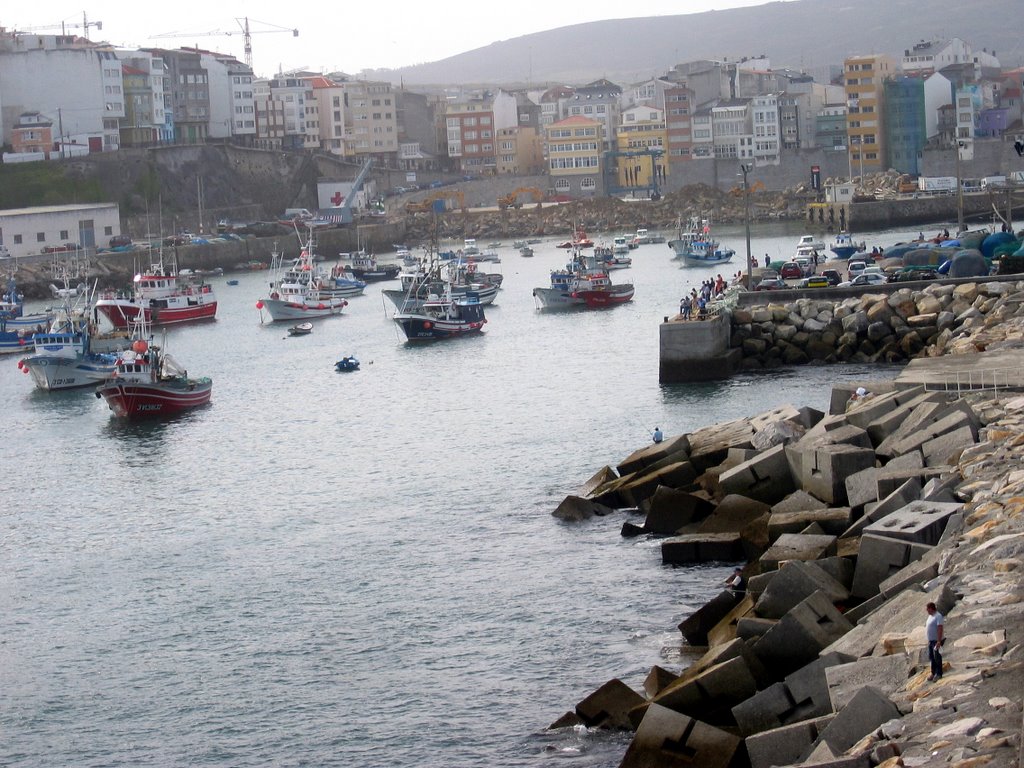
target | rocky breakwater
x=849, y=523
x=894, y=327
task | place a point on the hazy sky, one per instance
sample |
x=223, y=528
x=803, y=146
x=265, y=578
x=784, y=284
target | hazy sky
x=346, y=37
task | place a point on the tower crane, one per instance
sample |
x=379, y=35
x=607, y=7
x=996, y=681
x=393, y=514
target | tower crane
x=244, y=30
x=64, y=25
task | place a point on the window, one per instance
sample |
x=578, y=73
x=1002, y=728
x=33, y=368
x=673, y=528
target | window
x=17, y=239
x=562, y=185
x=588, y=184
x=63, y=234
x=106, y=231
x=40, y=237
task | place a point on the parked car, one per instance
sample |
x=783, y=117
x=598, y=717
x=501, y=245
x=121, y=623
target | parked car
x=854, y=268
x=767, y=274
x=120, y=241
x=791, y=270
x=864, y=281
x=806, y=265
x=814, y=281
x=771, y=284
x=832, y=275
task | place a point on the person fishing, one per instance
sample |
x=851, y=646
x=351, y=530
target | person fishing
x=657, y=435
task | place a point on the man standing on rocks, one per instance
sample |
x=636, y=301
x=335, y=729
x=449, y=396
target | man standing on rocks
x=934, y=631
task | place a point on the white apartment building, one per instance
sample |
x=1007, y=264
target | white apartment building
x=68, y=80
x=232, y=99
x=371, y=119
x=934, y=55
x=732, y=130
x=329, y=101
x=766, y=126
x=147, y=121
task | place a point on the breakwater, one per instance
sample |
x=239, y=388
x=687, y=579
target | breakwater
x=892, y=325
x=849, y=524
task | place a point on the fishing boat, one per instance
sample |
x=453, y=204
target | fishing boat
x=147, y=383
x=584, y=282
x=526, y=251
x=579, y=240
x=16, y=327
x=697, y=248
x=620, y=245
x=469, y=247
x=162, y=296
x=366, y=268
x=642, y=237
x=442, y=317
x=428, y=282
x=301, y=329
x=811, y=243
x=297, y=294
x=347, y=364
x=618, y=261
x=72, y=353
x=843, y=246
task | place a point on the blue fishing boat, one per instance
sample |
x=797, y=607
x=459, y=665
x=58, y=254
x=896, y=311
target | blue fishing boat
x=697, y=248
x=17, y=328
x=844, y=247
x=347, y=363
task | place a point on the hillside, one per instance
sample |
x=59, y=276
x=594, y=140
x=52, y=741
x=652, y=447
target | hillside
x=803, y=34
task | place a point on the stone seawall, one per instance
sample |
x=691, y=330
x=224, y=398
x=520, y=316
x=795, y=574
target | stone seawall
x=893, y=327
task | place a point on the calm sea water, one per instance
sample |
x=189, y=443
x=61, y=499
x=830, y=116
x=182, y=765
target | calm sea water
x=353, y=569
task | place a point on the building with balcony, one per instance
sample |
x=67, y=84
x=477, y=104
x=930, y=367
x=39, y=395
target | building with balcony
x=232, y=100
x=520, y=151
x=864, y=78
x=147, y=121
x=328, y=100
x=767, y=128
x=472, y=122
x=574, y=148
x=641, y=143
x=32, y=135
x=830, y=128
x=732, y=130
x=678, y=125
x=371, y=119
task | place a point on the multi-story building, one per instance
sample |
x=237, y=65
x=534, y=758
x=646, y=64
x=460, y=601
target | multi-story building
x=147, y=121
x=371, y=119
x=641, y=142
x=520, y=151
x=905, y=124
x=232, y=101
x=678, y=127
x=420, y=120
x=472, y=122
x=553, y=104
x=290, y=93
x=328, y=103
x=708, y=80
x=732, y=130
x=766, y=124
x=599, y=100
x=32, y=134
x=189, y=88
x=864, y=78
x=68, y=80
x=934, y=55
x=830, y=128
x=703, y=143
x=574, y=148
x=269, y=115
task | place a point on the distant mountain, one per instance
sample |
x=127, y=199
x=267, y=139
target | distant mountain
x=802, y=34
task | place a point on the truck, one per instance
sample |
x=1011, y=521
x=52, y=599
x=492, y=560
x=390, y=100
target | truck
x=1016, y=177
x=993, y=181
x=937, y=185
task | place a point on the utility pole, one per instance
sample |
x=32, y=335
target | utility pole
x=747, y=168
x=959, y=191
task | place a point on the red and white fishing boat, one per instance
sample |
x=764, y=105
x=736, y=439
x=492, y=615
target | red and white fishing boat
x=301, y=290
x=162, y=297
x=147, y=383
x=579, y=240
x=583, y=283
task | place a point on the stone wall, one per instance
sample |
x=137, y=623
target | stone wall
x=874, y=327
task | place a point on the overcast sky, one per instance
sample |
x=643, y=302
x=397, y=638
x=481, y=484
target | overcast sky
x=347, y=37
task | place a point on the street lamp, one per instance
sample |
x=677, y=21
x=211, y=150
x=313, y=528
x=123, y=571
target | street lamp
x=747, y=168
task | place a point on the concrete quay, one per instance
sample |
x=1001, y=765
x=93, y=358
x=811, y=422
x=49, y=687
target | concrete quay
x=848, y=524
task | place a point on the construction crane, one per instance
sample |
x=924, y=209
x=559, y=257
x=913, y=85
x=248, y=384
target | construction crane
x=64, y=25
x=243, y=24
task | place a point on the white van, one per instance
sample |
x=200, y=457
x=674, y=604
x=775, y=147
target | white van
x=297, y=213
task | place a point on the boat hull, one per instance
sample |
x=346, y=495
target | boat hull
x=426, y=328
x=14, y=341
x=844, y=251
x=56, y=373
x=375, y=275
x=597, y=299
x=121, y=313
x=557, y=298
x=147, y=401
x=287, y=310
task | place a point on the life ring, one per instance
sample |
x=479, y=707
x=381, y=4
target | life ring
x=427, y=325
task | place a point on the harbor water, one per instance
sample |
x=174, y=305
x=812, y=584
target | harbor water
x=355, y=569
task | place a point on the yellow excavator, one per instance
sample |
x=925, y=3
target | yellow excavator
x=511, y=200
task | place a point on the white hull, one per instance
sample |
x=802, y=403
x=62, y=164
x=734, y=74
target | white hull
x=53, y=373
x=286, y=310
x=556, y=298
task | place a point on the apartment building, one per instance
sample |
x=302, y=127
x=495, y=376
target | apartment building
x=147, y=121
x=371, y=120
x=472, y=122
x=32, y=135
x=600, y=100
x=732, y=130
x=575, y=146
x=232, y=101
x=67, y=80
x=520, y=151
x=188, y=85
x=905, y=124
x=864, y=78
x=552, y=104
x=328, y=102
x=766, y=124
x=678, y=126
x=934, y=55
x=830, y=128
x=641, y=142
